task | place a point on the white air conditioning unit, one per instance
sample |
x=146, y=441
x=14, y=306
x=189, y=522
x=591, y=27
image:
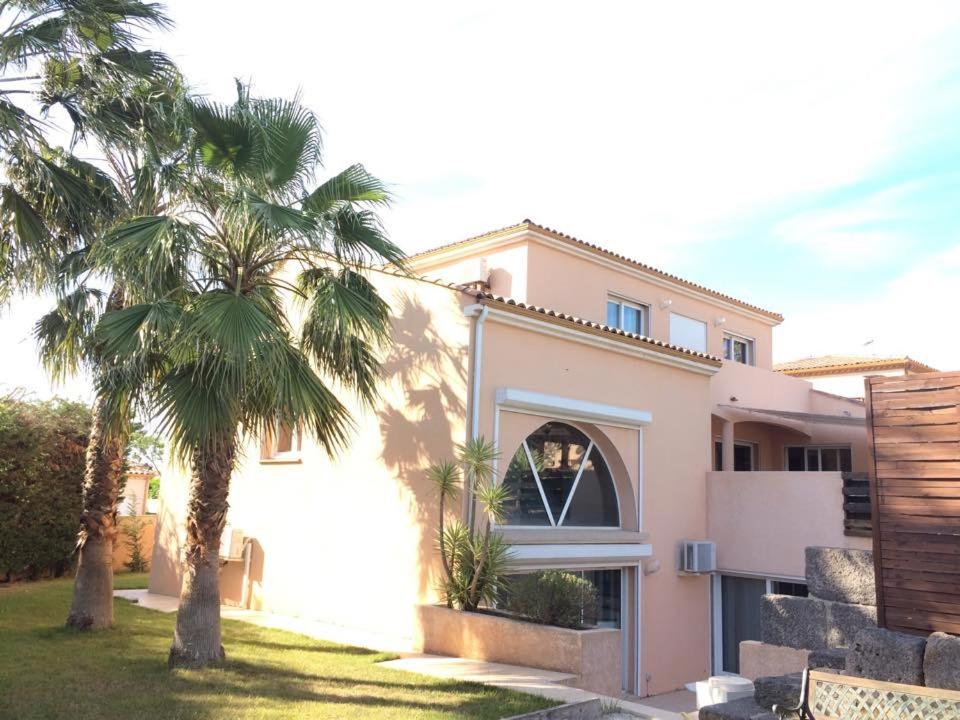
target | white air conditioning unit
x=698, y=556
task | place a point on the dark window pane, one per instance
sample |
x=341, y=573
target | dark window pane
x=607, y=583
x=846, y=464
x=740, y=351
x=525, y=506
x=741, y=600
x=717, y=455
x=789, y=588
x=795, y=459
x=594, y=503
x=828, y=460
x=613, y=314
x=813, y=459
x=558, y=450
x=743, y=457
x=727, y=348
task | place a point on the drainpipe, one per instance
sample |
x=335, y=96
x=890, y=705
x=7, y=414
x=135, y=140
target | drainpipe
x=479, y=312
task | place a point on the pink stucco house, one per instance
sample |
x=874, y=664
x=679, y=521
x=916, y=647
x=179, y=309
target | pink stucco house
x=654, y=400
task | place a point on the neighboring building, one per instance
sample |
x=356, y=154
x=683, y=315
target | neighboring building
x=654, y=407
x=844, y=374
x=136, y=490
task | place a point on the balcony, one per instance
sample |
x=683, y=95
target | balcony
x=762, y=521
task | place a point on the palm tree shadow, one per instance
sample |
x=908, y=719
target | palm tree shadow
x=431, y=374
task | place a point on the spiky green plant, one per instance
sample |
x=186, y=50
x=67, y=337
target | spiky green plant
x=474, y=557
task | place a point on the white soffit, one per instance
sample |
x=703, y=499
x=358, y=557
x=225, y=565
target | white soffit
x=569, y=408
x=580, y=554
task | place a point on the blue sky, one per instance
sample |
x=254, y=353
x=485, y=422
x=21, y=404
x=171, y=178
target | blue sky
x=804, y=157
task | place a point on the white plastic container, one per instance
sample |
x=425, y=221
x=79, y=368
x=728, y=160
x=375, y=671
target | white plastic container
x=721, y=689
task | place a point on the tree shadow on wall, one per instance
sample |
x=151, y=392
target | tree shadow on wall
x=432, y=375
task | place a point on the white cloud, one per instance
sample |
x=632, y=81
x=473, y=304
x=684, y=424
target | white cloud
x=915, y=314
x=856, y=235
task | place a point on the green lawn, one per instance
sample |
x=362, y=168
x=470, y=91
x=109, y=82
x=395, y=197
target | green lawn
x=48, y=671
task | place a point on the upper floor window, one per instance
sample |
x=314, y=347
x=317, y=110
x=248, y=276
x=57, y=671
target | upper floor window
x=738, y=349
x=819, y=459
x=283, y=443
x=558, y=477
x=688, y=333
x=628, y=316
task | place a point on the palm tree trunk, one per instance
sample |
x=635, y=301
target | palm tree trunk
x=92, y=605
x=196, y=637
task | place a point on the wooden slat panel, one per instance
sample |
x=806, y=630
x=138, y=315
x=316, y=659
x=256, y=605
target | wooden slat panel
x=918, y=469
x=919, y=418
x=916, y=433
x=922, y=619
x=930, y=381
x=915, y=400
x=919, y=451
x=914, y=438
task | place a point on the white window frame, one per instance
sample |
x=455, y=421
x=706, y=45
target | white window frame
x=706, y=333
x=818, y=448
x=754, y=451
x=270, y=453
x=622, y=302
x=750, y=342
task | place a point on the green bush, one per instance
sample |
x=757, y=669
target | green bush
x=553, y=597
x=42, y=451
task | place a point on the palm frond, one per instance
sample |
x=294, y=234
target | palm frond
x=353, y=185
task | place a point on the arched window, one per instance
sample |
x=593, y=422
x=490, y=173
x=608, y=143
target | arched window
x=558, y=477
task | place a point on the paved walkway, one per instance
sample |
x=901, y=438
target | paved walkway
x=523, y=679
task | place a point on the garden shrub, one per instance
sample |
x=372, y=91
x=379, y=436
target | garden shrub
x=553, y=597
x=42, y=457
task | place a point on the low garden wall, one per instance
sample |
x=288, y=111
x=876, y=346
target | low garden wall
x=593, y=656
x=121, y=547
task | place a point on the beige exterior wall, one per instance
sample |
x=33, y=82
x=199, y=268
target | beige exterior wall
x=351, y=542
x=565, y=282
x=760, y=389
x=559, y=277
x=762, y=521
x=121, y=547
x=847, y=384
x=675, y=608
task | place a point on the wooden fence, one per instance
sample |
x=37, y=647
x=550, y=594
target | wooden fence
x=913, y=427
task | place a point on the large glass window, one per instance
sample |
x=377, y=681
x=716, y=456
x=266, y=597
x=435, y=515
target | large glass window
x=688, y=333
x=559, y=477
x=628, y=316
x=819, y=459
x=607, y=584
x=740, y=600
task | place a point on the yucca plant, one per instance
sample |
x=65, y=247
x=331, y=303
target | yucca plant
x=231, y=360
x=474, y=557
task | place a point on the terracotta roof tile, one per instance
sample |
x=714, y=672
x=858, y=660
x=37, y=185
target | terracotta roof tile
x=530, y=225
x=830, y=364
x=675, y=349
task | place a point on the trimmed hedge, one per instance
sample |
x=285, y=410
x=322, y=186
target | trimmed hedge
x=42, y=455
x=554, y=597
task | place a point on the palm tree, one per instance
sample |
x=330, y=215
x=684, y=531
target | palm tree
x=144, y=174
x=235, y=364
x=81, y=56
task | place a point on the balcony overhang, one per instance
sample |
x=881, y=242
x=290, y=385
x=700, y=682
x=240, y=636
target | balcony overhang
x=815, y=418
